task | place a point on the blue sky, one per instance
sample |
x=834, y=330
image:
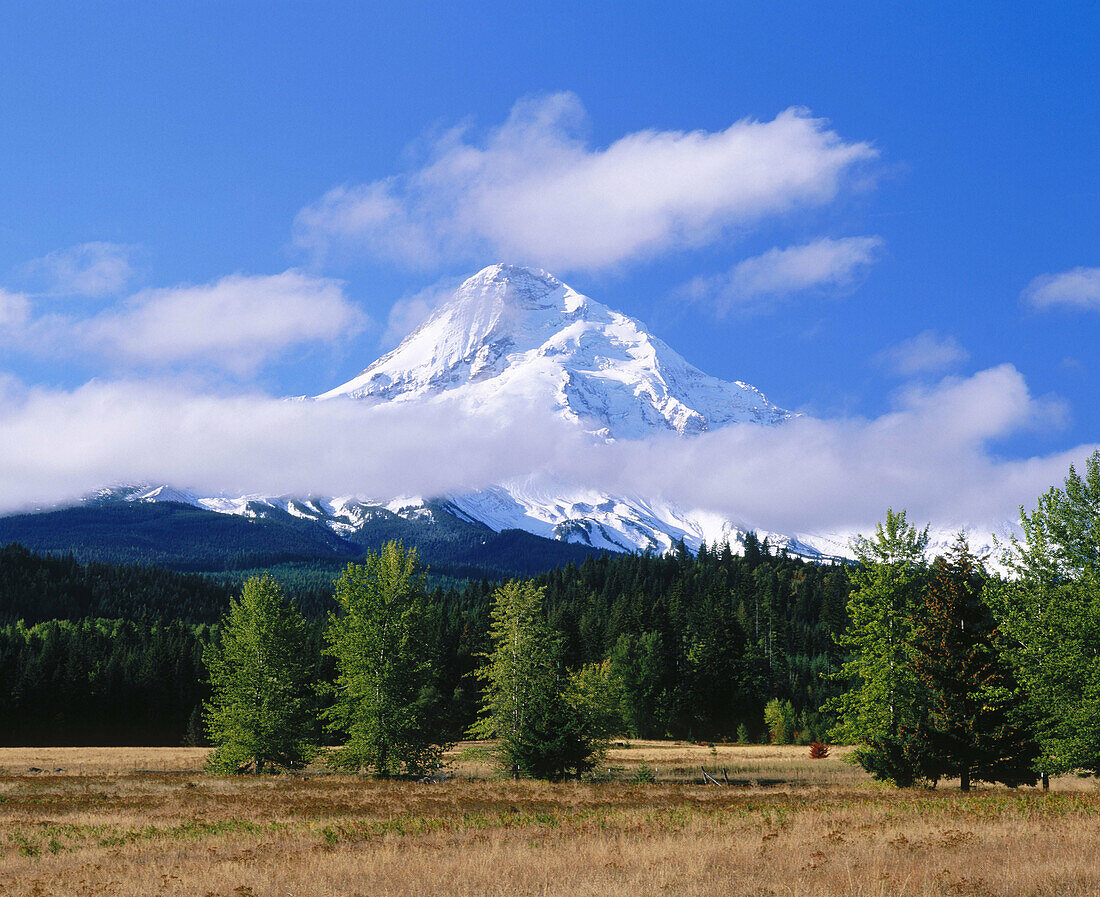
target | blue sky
x=937, y=216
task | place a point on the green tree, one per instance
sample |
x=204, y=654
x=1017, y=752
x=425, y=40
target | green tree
x=976, y=727
x=260, y=711
x=779, y=718
x=1050, y=610
x=597, y=692
x=543, y=727
x=885, y=699
x=386, y=705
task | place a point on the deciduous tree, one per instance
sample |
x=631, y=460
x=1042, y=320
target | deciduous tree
x=543, y=723
x=1050, y=610
x=260, y=714
x=386, y=706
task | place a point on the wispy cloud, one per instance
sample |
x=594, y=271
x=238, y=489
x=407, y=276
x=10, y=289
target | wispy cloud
x=236, y=323
x=926, y=353
x=15, y=310
x=533, y=191
x=762, y=282
x=933, y=454
x=1077, y=288
x=90, y=269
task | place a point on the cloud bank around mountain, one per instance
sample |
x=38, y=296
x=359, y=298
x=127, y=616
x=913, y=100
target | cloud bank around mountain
x=933, y=455
x=535, y=192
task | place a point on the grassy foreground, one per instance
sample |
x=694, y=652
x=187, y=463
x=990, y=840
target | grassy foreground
x=144, y=822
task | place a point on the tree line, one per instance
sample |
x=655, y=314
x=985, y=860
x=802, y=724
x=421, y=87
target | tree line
x=701, y=642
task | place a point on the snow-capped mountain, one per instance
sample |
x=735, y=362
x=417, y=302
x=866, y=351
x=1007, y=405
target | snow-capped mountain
x=512, y=332
x=518, y=334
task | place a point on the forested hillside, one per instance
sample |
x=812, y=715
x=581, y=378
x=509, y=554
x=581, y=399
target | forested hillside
x=181, y=537
x=701, y=643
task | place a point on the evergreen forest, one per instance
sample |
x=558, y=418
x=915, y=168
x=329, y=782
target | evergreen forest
x=97, y=653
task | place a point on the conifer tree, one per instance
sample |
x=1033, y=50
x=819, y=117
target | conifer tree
x=885, y=699
x=386, y=706
x=259, y=715
x=976, y=727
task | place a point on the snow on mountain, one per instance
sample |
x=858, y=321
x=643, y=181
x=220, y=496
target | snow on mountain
x=513, y=332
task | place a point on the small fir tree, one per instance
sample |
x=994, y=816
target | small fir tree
x=976, y=728
x=260, y=715
x=779, y=718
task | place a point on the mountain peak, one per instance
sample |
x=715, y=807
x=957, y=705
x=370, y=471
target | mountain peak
x=517, y=279
x=511, y=331
x=514, y=287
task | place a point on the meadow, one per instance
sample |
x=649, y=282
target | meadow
x=130, y=821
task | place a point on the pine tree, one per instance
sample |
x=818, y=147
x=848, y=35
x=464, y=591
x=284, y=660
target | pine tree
x=386, y=704
x=976, y=728
x=259, y=714
x=529, y=705
x=885, y=699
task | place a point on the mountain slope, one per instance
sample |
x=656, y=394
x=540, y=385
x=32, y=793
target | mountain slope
x=126, y=529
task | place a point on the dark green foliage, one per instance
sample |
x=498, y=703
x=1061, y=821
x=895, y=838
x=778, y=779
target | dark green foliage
x=976, y=728
x=260, y=713
x=101, y=682
x=34, y=588
x=699, y=645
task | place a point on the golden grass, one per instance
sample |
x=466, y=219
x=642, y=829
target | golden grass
x=101, y=761
x=180, y=833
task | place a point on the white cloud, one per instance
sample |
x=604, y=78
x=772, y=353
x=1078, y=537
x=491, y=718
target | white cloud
x=534, y=192
x=1077, y=288
x=932, y=455
x=765, y=280
x=90, y=269
x=14, y=312
x=56, y=445
x=926, y=353
x=236, y=323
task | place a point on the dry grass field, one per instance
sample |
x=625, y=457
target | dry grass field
x=146, y=822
